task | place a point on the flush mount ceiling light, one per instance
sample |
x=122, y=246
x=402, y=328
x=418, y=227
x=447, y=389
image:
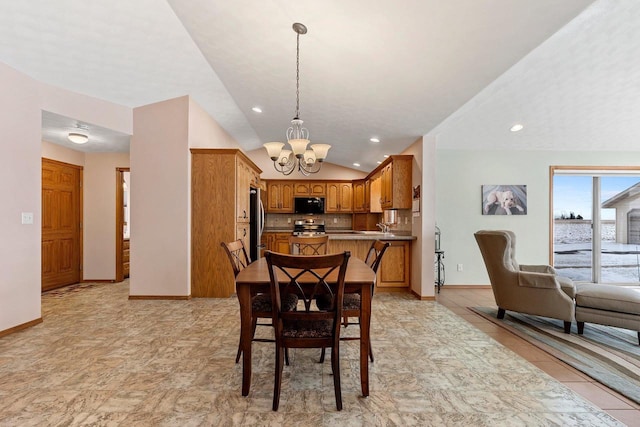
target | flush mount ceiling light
x=299, y=157
x=79, y=134
x=516, y=128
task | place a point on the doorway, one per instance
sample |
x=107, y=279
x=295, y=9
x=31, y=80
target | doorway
x=123, y=222
x=61, y=224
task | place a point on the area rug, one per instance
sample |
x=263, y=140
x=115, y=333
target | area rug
x=609, y=355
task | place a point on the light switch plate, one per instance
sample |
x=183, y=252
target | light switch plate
x=27, y=217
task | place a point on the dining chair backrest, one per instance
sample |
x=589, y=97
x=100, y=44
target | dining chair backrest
x=237, y=255
x=316, y=245
x=374, y=256
x=307, y=276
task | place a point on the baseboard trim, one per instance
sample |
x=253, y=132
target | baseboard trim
x=466, y=286
x=20, y=327
x=98, y=281
x=423, y=298
x=160, y=297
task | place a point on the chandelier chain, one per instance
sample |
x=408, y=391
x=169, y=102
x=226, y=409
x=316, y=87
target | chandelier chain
x=297, y=75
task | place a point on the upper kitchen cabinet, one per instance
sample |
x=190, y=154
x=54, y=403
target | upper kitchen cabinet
x=339, y=197
x=220, y=185
x=395, y=182
x=280, y=197
x=310, y=189
x=361, y=196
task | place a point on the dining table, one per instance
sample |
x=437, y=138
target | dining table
x=254, y=278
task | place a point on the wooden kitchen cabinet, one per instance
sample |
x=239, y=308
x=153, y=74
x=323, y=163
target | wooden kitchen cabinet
x=279, y=197
x=309, y=189
x=339, y=197
x=276, y=242
x=395, y=268
x=360, y=196
x=395, y=183
x=125, y=258
x=220, y=181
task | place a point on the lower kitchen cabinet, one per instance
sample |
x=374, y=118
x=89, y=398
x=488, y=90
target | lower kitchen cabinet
x=276, y=242
x=395, y=269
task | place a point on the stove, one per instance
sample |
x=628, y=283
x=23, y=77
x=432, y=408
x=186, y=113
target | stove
x=308, y=227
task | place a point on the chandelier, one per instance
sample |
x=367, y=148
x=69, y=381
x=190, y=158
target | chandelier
x=299, y=157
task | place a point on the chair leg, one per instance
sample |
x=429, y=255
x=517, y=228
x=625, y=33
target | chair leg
x=370, y=350
x=322, y=355
x=638, y=338
x=286, y=356
x=345, y=321
x=335, y=367
x=239, y=353
x=580, y=328
x=567, y=327
x=278, y=377
x=500, y=313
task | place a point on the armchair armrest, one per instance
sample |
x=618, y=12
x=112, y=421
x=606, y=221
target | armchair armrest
x=538, y=269
x=537, y=280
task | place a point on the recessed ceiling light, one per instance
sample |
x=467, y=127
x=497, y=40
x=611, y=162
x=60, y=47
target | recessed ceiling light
x=379, y=162
x=356, y=165
x=374, y=140
x=257, y=109
x=516, y=128
x=386, y=155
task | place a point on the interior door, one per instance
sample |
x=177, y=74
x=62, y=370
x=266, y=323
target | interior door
x=61, y=233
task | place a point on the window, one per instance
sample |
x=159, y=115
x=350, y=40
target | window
x=596, y=224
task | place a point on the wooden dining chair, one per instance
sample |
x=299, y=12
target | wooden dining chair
x=260, y=303
x=351, y=307
x=317, y=328
x=315, y=245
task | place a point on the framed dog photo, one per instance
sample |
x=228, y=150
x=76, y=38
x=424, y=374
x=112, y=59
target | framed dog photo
x=504, y=200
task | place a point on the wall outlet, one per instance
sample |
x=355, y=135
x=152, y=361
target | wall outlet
x=459, y=267
x=335, y=220
x=288, y=220
x=406, y=220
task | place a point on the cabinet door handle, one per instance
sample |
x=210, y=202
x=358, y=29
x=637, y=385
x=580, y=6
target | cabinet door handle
x=244, y=212
x=244, y=232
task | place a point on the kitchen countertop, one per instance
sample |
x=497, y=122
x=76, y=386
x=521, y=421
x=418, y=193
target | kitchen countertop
x=342, y=234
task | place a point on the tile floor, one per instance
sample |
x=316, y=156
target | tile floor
x=457, y=300
x=100, y=359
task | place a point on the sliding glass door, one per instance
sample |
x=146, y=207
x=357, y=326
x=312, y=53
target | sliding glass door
x=596, y=225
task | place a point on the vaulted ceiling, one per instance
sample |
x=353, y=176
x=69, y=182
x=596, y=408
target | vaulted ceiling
x=464, y=69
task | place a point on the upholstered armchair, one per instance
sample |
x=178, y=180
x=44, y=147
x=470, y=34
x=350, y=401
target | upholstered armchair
x=530, y=289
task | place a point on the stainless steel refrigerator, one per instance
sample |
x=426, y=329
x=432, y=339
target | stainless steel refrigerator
x=256, y=223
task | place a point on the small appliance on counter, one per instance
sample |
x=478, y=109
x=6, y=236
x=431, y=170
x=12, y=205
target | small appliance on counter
x=308, y=227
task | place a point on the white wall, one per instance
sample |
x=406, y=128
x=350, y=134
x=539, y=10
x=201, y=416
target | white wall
x=460, y=175
x=159, y=158
x=20, y=174
x=99, y=214
x=21, y=148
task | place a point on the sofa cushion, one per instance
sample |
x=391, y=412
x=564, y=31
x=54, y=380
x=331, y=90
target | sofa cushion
x=621, y=299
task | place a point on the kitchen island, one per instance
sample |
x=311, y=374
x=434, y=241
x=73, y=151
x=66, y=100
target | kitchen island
x=395, y=270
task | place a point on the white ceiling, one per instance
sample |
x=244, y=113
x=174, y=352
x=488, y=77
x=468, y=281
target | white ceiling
x=368, y=68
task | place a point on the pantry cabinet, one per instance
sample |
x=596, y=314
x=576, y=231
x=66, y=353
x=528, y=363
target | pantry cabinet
x=220, y=185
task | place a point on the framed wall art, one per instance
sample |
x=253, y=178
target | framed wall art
x=504, y=200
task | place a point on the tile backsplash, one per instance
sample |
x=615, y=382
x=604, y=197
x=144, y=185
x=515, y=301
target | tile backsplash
x=285, y=221
x=331, y=221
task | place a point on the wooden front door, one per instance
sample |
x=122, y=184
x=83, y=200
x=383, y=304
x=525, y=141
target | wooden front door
x=61, y=232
